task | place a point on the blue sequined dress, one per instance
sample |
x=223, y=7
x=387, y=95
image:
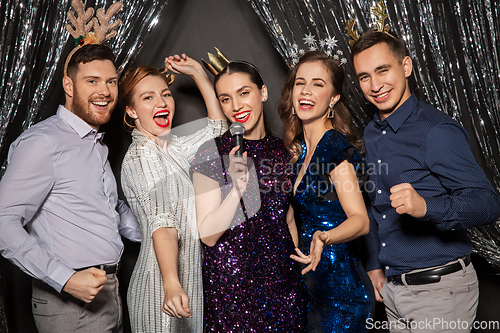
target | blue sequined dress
x=250, y=282
x=339, y=291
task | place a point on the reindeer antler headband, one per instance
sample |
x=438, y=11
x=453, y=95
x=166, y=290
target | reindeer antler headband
x=380, y=10
x=84, y=22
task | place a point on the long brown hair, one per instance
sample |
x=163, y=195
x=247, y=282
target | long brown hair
x=342, y=120
x=130, y=79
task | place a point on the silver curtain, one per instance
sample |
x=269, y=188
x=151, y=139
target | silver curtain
x=32, y=39
x=454, y=47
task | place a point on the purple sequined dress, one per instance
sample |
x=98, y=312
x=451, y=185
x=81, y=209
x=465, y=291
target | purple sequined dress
x=250, y=282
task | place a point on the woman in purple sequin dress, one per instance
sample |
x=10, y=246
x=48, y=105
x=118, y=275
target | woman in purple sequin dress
x=250, y=282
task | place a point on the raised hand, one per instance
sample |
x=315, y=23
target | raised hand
x=182, y=64
x=86, y=284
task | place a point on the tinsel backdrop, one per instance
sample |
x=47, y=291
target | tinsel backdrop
x=454, y=46
x=32, y=40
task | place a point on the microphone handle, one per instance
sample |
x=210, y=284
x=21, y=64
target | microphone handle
x=238, y=141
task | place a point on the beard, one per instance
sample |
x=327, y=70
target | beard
x=82, y=108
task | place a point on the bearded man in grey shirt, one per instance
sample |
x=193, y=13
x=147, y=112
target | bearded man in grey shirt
x=60, y=216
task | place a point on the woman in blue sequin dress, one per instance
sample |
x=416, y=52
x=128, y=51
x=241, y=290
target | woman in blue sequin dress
x=328, y=203
x=250, y=282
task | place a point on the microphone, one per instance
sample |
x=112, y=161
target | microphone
x=237, y=130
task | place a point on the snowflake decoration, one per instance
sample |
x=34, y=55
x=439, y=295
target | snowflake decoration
x=309, y=40
x=329, y=46
x=331, y=42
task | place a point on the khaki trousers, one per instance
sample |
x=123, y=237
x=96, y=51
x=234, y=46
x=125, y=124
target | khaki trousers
x=446, y=306
x=62, y=313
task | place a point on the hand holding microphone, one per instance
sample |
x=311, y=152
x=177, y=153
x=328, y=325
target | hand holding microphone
x=237, y=130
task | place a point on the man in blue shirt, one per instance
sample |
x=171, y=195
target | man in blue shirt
x=425, y=190
x=60, y=217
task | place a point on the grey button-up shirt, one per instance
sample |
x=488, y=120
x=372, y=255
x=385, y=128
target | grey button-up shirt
x=60, y=187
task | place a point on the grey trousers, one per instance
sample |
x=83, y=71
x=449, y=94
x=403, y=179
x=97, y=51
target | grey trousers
x=447, y=306
x=62, y=313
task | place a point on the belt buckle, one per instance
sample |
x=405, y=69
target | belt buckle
x=110, y=269
x=394, y=280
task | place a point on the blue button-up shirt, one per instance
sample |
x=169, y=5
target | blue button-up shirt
x=60, y=186
x=420, y=145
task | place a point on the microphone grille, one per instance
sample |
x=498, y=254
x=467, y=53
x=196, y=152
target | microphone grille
x=237, y=128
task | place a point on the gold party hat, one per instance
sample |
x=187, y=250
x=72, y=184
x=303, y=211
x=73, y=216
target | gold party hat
x=217, y=63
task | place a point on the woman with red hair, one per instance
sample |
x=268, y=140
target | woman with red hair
x=165, y=292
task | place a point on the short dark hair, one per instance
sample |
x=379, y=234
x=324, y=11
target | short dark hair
x=374, y=37
x=88, y=53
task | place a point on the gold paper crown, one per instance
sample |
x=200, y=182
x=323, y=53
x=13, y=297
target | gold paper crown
x=84, y=23
x=217, y=63
x=380, y=10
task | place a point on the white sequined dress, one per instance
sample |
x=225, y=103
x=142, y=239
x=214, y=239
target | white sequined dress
x=159, y=191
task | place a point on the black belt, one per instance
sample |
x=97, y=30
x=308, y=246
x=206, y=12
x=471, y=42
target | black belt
x=432, y=275
x=109, y=269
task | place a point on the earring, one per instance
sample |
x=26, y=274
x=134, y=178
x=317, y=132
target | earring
x=293, y=111
x=331, y=111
